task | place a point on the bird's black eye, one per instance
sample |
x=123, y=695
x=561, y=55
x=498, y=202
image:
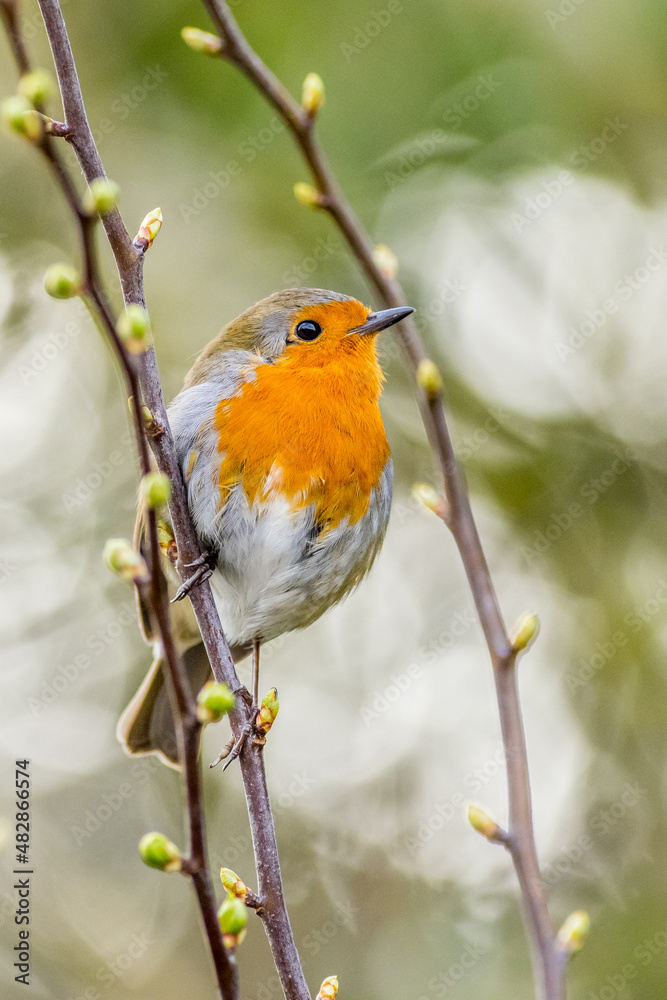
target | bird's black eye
x=308, y=329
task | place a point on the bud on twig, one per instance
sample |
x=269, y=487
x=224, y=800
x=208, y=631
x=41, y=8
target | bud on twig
x=52, y=127
x=202, y=41
x=36, y=86
x=133, y=328
x=525, y=632
x=312, y=95
x=328, y=989
x=62, y=282
x=429, y=378
x=571, y=938
x=482, y=822
x=167, y=541
x=101, y=197
x=19, y=116
x=152, y=426
x=233, y=918
x=431, y=498
x=213, y=701
x=386, y=261
x=309, y=196
x=148, y=230
x=233, y=884
x=233, y=941
x=268, y=712
x=125, y=561
x=157, y=851
x=155, y=490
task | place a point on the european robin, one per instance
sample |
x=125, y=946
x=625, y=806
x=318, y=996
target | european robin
x=288, y=475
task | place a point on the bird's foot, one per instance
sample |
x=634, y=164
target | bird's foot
x=224, y=753
x=252, y=729
x=237, y=746
x=203, y=567
x=258, y=722
x=233, y=748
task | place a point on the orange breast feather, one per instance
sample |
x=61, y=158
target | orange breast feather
x=307, y=432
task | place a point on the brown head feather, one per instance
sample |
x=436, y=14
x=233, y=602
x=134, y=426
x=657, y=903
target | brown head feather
x=261, y=329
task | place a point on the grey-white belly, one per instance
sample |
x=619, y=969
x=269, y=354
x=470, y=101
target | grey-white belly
x=276, y=572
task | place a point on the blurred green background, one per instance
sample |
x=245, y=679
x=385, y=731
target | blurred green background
x=513, y=155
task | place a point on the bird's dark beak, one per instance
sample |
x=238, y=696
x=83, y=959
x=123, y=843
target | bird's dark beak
x=377, y=321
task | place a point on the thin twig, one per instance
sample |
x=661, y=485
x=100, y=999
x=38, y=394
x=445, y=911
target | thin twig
x=265, y=846
x=130, y=267
x=547, y=962
x=9, y=13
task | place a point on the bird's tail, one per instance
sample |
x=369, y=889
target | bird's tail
x=147, y=724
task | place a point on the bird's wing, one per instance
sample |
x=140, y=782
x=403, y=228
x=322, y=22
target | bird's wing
x=195, y=416
x=192, y=416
